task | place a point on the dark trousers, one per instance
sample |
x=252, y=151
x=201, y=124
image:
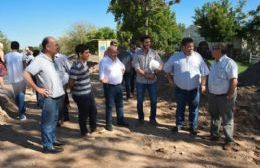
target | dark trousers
x=87, y=110
x=133, y=81
x=64, y=111
x=191, y=98
x=114, y=95
x=127, y=82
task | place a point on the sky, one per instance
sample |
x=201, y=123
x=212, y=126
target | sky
x=29, y=21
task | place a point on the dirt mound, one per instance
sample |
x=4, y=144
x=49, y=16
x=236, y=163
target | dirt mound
x=250, y=76
x=248, y=108
x=7, y=106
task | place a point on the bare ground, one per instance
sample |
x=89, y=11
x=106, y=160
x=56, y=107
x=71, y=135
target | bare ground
x=138, y=146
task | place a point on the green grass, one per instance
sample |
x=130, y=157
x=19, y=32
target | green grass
x=242, y=66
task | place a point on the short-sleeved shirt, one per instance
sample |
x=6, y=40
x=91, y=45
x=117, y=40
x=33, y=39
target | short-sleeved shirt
x=47, y=74
x=28, y=58
x=64, y=66
x=15, y=68
x=221, y=72
x=142, y=61
x=186, y=70
x=112, y=70
x=79, y=73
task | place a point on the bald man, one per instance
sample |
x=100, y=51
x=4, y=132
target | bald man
x=111, y=75
x=51, y=89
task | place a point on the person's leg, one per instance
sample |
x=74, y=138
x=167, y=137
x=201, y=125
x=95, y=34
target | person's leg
x=19, y=92
x=58, y=106
x=109, y=90
x=92, y=113
x=66, y=104
x=81, y=103
x=133, y=81
x=48, y=122
x=152, y=90
x=180, y=97
x=61, y=110
x=226, y=110
x=193, y=102
x=119, y=104
x=127, y=79
x=214, y=112
x=140, y=89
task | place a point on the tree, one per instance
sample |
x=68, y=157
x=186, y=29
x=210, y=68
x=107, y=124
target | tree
x=136, y=17
x=252, y=30
x=5, y=41
x=82, y=34
x=218, y=21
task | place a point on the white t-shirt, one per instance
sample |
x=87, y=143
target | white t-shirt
x=14, y=64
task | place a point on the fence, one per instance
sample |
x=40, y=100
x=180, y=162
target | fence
x=254, y=58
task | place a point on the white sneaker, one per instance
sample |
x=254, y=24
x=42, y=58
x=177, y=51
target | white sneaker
x=23, y=118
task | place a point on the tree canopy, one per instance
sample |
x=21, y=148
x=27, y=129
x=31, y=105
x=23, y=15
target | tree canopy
x=5, y=41
x=136, y=17
x=82, y=34
x=219, y=21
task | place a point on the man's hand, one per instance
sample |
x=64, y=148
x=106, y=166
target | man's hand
x=105, y=80
x=42, y=91
x=203, y=89
x=150, y=76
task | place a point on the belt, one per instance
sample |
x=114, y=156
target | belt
x=218, y=95
x=195, y=89
x=112, y=84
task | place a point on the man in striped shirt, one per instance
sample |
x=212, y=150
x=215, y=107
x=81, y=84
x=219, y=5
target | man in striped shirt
x=79, y=84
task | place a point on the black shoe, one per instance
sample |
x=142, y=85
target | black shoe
x=141, y=121
x=123, y=124
x=52, y=150
x=153, y=122
x=228, y=145
x=66, y=119
x=176, y=129
x=214, y=138
x=58, y=143
x=193, y=132
x=109, y=127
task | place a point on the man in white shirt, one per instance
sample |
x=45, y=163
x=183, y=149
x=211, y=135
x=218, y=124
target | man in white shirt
x=111, y=75
x=189, y=71
x=51, y=89
x=222, y=86
x=15, y=66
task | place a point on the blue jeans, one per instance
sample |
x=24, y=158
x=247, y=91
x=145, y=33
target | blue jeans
x=49, y=120
x=114, y=95
x=191, y=98
x=152, y=90
x=19, y=92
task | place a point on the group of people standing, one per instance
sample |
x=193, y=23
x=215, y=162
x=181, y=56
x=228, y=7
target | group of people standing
x=50, y=75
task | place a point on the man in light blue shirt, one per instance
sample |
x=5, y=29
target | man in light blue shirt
x=63, y=66
x=189, y=71
x=222, y=84
x=15, y=66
